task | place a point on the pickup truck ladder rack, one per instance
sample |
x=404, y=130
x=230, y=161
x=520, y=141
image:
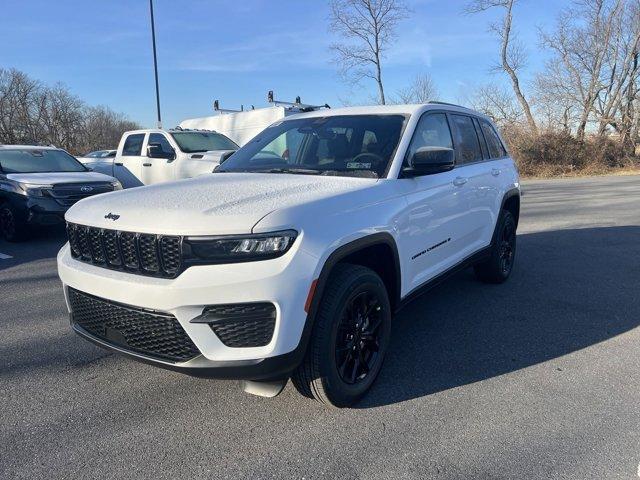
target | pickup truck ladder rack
x=297, y=104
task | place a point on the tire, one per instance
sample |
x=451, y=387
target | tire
x=13, y=228
x=498, y=267
x=343, y=342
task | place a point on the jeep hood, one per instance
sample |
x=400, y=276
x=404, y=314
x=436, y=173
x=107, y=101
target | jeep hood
x=221, y=203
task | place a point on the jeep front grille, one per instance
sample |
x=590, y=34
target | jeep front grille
x=154, y=334
x=140, y=253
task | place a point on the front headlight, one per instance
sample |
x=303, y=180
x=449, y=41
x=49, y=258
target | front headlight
x=116, y=185
x=241, y=248
x=33, y=190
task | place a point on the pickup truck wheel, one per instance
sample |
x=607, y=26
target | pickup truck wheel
x=12, y=226
x=349, y=339
x=498, y=267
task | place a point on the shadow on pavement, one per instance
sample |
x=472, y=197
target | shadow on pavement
x=44, y=243
x=570, y=289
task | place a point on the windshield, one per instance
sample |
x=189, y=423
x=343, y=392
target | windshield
x=38, y=161
x=99, y=153
x=348, y=145
x=192, y=142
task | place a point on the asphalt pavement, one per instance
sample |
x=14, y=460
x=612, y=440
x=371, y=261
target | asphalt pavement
x=536, y=378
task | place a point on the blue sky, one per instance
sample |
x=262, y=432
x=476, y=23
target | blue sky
x=237, y=51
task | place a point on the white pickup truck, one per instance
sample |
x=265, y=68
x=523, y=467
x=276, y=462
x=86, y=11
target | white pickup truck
x=153, y=156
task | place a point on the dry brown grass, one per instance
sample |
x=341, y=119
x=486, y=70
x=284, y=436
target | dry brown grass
x=557, y=154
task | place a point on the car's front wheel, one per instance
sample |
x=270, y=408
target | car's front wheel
x=350, y=336
x=12, y=226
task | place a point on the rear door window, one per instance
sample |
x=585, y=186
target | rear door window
x=483, y=143
x=133, y=145
x=467, y=143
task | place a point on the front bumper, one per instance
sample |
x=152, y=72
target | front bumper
x=38, y=211
x=260, y=369
x=283, y=281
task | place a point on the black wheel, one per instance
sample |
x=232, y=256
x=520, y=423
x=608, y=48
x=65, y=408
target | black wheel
x=498, y=267
x=350, y=336
x=12, y=226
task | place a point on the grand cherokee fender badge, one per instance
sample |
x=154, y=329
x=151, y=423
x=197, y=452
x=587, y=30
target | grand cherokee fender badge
x=112, y=216
x=430, y=248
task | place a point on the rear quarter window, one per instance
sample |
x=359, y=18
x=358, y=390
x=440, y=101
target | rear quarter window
x=496, y=149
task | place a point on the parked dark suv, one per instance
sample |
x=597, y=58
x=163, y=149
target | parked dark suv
x=39, y=184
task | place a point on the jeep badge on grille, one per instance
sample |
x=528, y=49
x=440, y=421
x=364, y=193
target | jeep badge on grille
x=112, y=216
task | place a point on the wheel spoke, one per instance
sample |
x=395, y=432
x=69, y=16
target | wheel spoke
x=363, y=363
x=343, y=366
x=356, y=349
x=371, y=329
x=354, y=372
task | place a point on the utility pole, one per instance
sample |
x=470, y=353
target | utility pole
x=155, y=62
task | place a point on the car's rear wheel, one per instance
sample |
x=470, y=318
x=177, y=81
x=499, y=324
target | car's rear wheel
x=12, y=226
x=498, y=267
x=349, y=340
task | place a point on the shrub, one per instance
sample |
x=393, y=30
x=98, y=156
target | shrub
x=559, y=153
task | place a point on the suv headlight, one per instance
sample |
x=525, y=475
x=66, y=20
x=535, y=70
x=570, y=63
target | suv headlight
x=33, y=190
x=116, y=185
x=240, y=248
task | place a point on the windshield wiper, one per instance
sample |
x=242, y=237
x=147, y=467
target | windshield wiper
x=352, y=172
x=301, y=171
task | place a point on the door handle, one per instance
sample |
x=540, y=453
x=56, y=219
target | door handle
x=495, y=172
x=460, y=181
x=119, y=164
x=146, y=164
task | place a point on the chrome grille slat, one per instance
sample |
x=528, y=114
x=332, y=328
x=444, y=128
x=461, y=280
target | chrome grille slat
x=141, y=253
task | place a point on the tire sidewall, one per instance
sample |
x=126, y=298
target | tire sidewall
x=19, y=226
x=506, y=218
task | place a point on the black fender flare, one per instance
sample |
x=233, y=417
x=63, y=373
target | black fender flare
x=343, y=251
x=513, y=192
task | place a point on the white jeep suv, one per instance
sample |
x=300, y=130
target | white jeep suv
x=290, y=261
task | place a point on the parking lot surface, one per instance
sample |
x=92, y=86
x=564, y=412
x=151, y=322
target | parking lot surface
x=536, y=378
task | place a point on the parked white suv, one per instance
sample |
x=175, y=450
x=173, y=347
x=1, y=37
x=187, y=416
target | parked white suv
x=152, y=156
x=291, y=261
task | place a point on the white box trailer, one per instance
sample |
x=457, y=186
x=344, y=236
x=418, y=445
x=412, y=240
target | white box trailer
x=239, y=126
x=242, y=126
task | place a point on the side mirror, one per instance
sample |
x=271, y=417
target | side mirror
x=154, y=150
x=430, y=160
x=225, y=156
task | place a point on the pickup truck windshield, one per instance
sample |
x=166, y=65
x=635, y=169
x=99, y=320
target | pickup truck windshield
x=344, y=145
x=38, y=161
x=192, y=142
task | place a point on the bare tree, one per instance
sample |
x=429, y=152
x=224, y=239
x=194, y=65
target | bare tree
x=368, y=29
x=421, y=90
x=498, y=103
x=32, y=113
x=512, y=55
x=583, y=43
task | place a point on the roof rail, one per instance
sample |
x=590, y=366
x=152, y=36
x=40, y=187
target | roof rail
x=436, y=102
